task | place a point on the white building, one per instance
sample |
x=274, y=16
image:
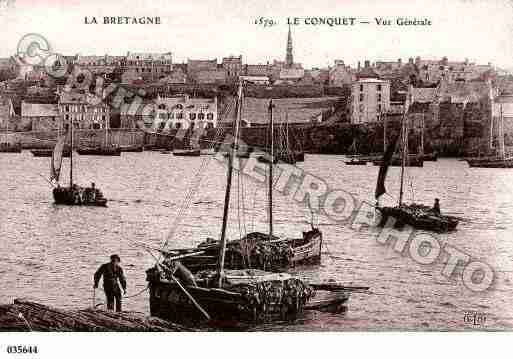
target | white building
x=370, y=97
x=185, y=112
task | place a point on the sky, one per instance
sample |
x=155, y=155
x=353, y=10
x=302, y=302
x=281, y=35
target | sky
x=478, y=30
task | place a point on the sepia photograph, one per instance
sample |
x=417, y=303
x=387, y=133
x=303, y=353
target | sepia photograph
x=254, y=166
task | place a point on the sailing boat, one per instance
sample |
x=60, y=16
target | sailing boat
x=501, y=160
x=416, y=215
x=228, y=295
x=73, y=195
x=8, y=146
x=354, y=159
x=107, y=149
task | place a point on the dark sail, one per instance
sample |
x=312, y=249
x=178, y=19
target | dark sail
x=56, y=162
x=383, y=169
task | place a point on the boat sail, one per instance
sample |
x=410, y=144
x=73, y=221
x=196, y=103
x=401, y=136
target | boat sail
x=416, y=215
x=222, y=294
x=73, y=195
x=354, y=157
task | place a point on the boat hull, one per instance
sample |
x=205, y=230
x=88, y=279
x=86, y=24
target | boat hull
x=100, y=151
x=490, y=163
x=396, y=162
x=356, y=163
x=75, y=197
x=187, y=153
x=48, y=153
x=10, y=148
x=131, y=148
x=425, y=221
x=262, y=297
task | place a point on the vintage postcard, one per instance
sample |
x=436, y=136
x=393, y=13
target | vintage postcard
x=255, y=166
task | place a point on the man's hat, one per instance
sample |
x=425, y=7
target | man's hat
x=115, y=257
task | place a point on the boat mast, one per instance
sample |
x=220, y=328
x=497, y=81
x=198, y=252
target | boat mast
x=422, y=134
x=271, y=162
x=233, y=150
x=404, y=147
x=384, y=131
x=502, y=149
x=71, y=153
x=106, y=130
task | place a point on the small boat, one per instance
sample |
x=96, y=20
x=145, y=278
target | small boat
x=356, y=160
x=10, y=147
x=253, y=251
x=72, y=195
x=396, y=161
x=100, y=151
x=416, y=215
x=430, y=156
x=187, y=152
x=131, y=148
x=165, y=152
x=48, y=152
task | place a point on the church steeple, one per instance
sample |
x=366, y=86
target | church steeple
x=289, y=59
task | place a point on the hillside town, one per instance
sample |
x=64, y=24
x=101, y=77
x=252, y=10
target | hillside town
x=450, y=101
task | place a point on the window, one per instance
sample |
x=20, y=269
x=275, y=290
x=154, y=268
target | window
x=201, y=116
x=180, y=106
x=209, y=125
x=361, y=88
x=379, y=88
x=192, y=116
x=179, y=115
x=210, y=116
x=171, y=115
x=379, y=97
x=162, y=106
x=178, y=125
x=361, y=97
x=379, y=108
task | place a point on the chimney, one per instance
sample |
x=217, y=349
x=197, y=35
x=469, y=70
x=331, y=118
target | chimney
x=359, y=66
x=400, y=61
x=367, y=63
x=410, y=60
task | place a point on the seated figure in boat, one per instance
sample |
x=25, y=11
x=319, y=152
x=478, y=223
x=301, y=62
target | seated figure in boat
x=92, y=193
x=436, y=207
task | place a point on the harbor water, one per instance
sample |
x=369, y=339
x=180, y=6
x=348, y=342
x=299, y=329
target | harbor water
x=49, y=253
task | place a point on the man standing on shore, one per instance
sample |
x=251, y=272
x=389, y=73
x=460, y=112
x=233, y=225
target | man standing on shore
x=111, y=272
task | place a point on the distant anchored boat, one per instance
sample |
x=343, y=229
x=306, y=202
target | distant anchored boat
x=100, y=151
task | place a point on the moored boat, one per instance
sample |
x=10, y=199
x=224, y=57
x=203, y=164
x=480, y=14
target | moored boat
x=99, y=151
x=131, y=148
x=187, y=152
x=48, y=152
x=10, y=147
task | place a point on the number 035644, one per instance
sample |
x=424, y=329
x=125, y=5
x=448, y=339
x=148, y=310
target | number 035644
x=22, y=349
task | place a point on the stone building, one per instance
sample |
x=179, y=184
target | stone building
x=84, y=111
x=370, y=99
x=150, y=66
x=340, y=74
x=42, y=116
x=184, y=112
x=233, y=67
